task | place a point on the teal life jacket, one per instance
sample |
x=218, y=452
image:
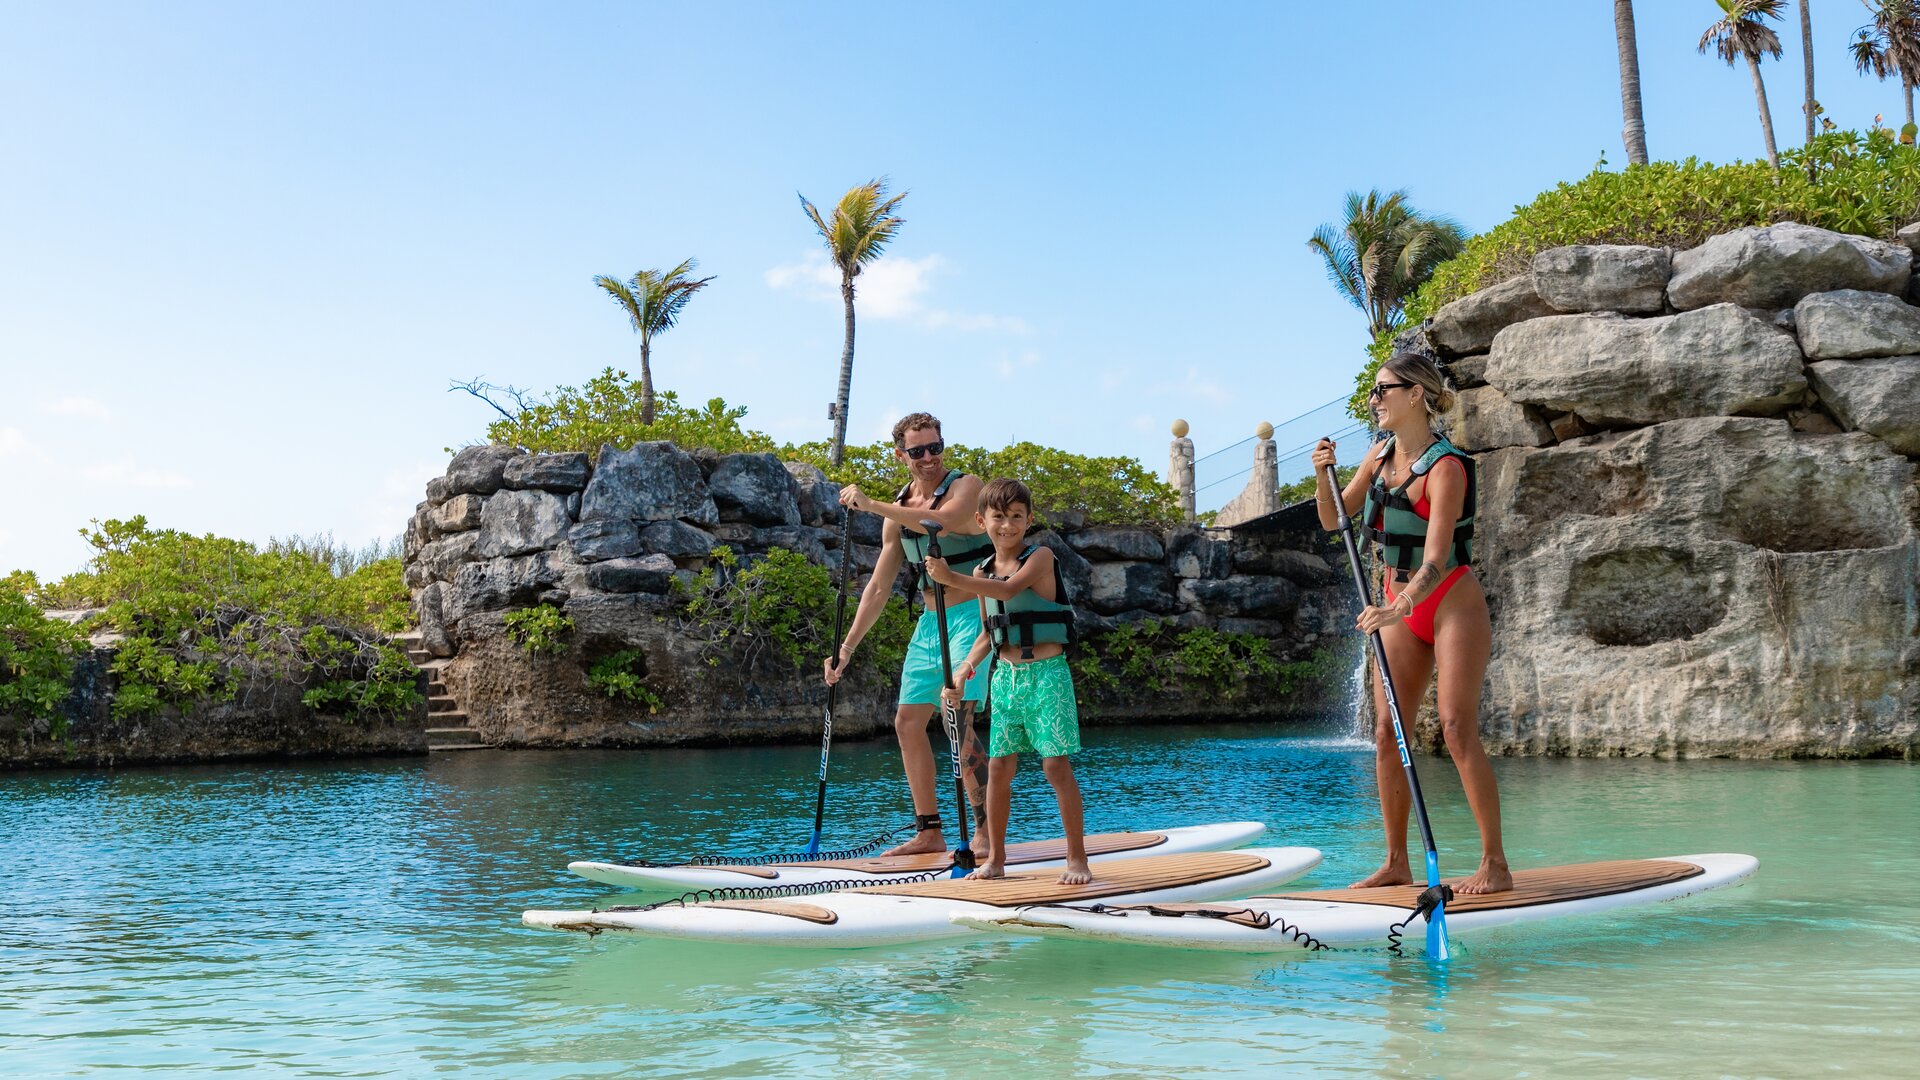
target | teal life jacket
x=1030, y=619
x=1389, y=519
x=962, y=553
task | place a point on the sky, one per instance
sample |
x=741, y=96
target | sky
x=244, y=248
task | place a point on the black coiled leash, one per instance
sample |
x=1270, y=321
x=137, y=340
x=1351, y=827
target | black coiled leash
x=1247, y=917
x=775, y=892
x=1434, y=896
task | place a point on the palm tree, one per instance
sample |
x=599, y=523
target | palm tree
x=861, y=227
x=1383, y=252
x=653, y=302
x=1635, y=130
x=1810, y=106
x=1890, y=44
x=1743, y=32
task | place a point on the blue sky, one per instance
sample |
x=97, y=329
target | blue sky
x=244, y=248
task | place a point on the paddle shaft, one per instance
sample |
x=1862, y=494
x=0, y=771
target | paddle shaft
x=1393, y=700
x=949, y=716
x=826, y=719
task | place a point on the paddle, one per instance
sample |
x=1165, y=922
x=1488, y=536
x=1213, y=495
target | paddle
x=1437, y=918
x=826, y=720
x=950, y=716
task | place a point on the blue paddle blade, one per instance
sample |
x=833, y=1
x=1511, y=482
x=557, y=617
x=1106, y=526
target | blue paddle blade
x=958, y=871
x=1437, y=918
x=813, y=845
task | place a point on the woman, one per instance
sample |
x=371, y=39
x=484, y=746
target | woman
x=1418, y=495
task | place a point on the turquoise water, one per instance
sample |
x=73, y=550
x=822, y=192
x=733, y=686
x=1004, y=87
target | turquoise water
x=361, y=919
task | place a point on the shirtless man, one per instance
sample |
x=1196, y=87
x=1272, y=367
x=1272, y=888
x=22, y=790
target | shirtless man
x=950, y=498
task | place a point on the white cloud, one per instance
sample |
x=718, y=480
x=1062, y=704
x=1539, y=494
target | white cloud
x=1010, y=365
x=16, y=447
x=127, y=473
x=76, y=407
x=1194, y=386
x=1142, y=422
x=890, y=288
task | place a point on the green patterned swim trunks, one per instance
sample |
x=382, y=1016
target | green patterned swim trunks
x=1033, y=709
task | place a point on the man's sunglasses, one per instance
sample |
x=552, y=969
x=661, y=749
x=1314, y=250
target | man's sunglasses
x=1381, y=388
x=918, y=452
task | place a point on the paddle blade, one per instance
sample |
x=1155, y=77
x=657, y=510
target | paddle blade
x=813, y=845
x=1437, y=918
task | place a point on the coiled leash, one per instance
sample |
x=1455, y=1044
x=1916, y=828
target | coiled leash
x=858, y=851
x=1433, y=898
x=774, y=892
x=1247, y=917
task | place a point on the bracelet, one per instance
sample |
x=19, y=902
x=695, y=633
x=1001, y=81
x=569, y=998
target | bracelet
x=967, y=675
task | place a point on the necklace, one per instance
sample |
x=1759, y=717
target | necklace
x=1407, y=460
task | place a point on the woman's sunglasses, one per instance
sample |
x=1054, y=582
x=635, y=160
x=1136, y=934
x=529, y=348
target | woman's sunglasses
x=918, y=452
x=1381, y=388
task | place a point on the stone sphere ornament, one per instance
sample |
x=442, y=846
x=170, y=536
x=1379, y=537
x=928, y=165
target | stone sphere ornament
x=1179, y=429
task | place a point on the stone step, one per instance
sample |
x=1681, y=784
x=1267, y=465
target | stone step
x=452, y=731
x=434, y=664
x=454, y=714
x=409, y=637
x=419, y=656
x=442, y=704
x=461, y=746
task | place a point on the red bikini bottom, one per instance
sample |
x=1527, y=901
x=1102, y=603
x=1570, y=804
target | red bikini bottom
x=1420, y=621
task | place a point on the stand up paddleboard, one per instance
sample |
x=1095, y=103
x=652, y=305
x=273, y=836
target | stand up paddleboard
x=881, y=868
x=896, y=914
x=1360, y=918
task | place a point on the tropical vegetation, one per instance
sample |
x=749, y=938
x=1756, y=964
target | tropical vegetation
x=1382, y=251
x=1890, y=45
x=861, y=226
x=652, y=301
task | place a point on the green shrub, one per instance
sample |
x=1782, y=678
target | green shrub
x=1153, y=657
x=617, y=677
x=606, y=411
x=1869, y=185
x=36, y=654
x=539, y=629
x=780, y=605
x=200, y=611
x=1302, y=488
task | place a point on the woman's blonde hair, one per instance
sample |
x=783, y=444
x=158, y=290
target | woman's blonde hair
x=1424, y=373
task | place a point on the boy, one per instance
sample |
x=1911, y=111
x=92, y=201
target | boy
x=1027, y=622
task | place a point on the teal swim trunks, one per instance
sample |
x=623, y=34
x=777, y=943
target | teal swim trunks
x=1033, y=709
x=920, y=676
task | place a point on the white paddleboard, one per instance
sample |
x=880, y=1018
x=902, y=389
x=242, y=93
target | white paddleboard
x=895, y=914
x=876, y=869
x=1361, y=918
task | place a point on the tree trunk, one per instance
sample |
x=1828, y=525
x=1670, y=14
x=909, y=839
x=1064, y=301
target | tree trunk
x=1806, y=56
x=839, y=451
x=646, y=381
x=1908, y=87
x=1634, y=131
x=1766, y=115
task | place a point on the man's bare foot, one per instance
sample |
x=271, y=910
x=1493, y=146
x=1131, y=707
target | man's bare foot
x=1077, y=873
x=987, y=870
x=922, y=844
x=1391, y=873
x=1491, y=877
x=981, y=845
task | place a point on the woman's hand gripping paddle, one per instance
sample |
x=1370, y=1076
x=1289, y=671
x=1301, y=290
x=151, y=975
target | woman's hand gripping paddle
x=826, y=721
x=963, y=860
x=1436, y=894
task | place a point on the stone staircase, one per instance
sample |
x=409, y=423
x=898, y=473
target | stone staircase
x=448, y=727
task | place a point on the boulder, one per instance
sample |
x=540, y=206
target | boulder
x=1910, y=236
x=593, y=541
x=1773, y=266
x=1604, y=277
x=1701, y=587
x=866, y=528
x=754, y=488
x=817, y=497
x=440, y=560
x=1118, y=542
x=1242, y=597
x=652, y=481
x=1851, y=323
x=433, y=621
x=458, y=514
x=1880, y=397
x=1613, y=370
x=674, y=539
x=1257, y=555
x=1467, y=372
x=517, y=522
x=1483, y=419
x=548, y=472
x=479, y=470
x=1193, y=552
x=646, y=574
x=1115, y=587
x=1075, y=570
x=800, y=538
x=1569, y=426
x=439, y=490
x=1468, y=325
x=496, y=585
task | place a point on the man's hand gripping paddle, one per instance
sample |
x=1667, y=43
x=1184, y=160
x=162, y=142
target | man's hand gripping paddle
x=950, y=716
x=826, y=720
x=1437, y=894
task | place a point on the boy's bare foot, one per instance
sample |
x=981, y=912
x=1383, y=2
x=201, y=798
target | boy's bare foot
x=922, y=844
x=988, y=870
x=1493, y=876
x=1390, y=873
x=1077, y=873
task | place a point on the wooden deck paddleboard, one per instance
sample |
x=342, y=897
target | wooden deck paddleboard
x=1361, y=918
x=895, y=914
x=1037, y=854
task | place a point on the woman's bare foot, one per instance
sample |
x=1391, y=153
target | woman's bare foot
x=1077, y=873
x=987, y=870
x=923, y=843
x=1493, y=876
x=1390, y=873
